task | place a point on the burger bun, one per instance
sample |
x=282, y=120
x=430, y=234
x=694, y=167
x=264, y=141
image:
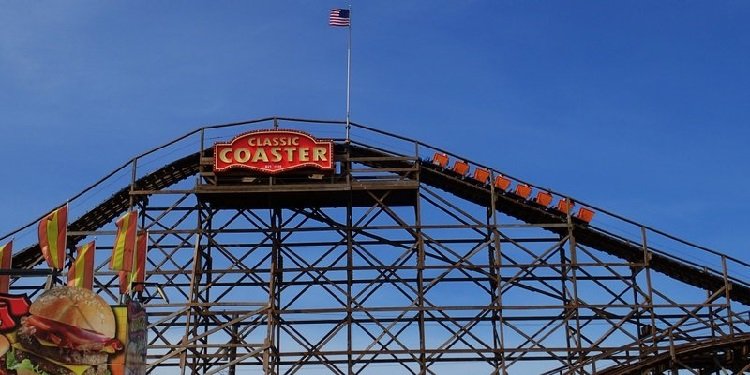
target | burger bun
x=78, y=307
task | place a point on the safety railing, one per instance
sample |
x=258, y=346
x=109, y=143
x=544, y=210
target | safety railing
x=596, y=218
x=592, y=216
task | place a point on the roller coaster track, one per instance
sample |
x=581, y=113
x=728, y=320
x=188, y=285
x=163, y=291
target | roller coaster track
x=432, y=175
x=529, y=212
x=729, y=351
x=710, y=354
x=115, y=206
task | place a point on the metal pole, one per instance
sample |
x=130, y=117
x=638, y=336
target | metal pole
x=649, y=285
x=495, y=266
x=727, y=289
x=133, y=176
x=348, y=73
x=420, y=278
x=574, y=278
x=349, y=284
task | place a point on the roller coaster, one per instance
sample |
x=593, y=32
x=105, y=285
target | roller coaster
x=404, y=259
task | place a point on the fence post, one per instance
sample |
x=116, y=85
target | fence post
x=727, y=290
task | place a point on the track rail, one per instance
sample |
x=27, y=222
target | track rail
x=533, y=213
x=437, y=177
x=115, y=206
x=710, y=354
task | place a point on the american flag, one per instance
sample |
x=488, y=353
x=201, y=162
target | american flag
x=339, y=17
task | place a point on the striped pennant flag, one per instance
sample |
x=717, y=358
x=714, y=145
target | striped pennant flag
x=122, y=251
x=134, y=279
x=53, y=230
x=81, y=272
x=6, y=258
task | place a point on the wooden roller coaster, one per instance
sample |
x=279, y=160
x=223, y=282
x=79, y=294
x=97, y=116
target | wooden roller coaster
x=398, y=261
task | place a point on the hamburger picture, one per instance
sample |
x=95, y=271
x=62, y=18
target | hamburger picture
x=69, y=331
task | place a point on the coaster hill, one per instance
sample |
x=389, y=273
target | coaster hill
x=400, y=254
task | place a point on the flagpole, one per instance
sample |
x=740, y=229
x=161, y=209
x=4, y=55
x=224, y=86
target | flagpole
x=348, y=74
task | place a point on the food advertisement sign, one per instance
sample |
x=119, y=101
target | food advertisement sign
x=64, y=331
x=135, y=350
x=273, y=151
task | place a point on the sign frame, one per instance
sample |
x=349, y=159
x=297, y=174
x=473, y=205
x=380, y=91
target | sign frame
x=273, y=151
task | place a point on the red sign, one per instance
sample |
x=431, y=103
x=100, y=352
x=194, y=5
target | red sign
x=273, y=151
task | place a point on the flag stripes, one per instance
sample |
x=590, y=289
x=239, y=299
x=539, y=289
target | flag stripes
x=81, y=272
x=139, y=271
x=133, y=280
x=6, y=258
x=339, y=17
x=122, y=251
x=53, y=237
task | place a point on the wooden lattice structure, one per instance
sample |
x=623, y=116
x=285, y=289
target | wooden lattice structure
x=401, y=261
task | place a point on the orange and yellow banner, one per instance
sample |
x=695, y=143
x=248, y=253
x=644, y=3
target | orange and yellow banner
x=122, y=251
x=53, y=230
x=134, y=279
x=6, y=258
x=81, y=272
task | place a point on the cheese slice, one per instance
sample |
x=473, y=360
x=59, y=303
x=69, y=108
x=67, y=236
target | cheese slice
x=108, y=349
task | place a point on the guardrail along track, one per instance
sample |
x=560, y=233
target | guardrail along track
x=432, y=175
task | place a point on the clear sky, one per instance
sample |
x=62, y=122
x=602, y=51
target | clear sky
x=640, y=107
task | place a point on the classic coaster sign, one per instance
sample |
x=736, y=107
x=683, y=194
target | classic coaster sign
x=273, y=151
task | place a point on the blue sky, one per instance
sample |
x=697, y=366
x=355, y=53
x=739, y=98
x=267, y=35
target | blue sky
x=639, y=107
